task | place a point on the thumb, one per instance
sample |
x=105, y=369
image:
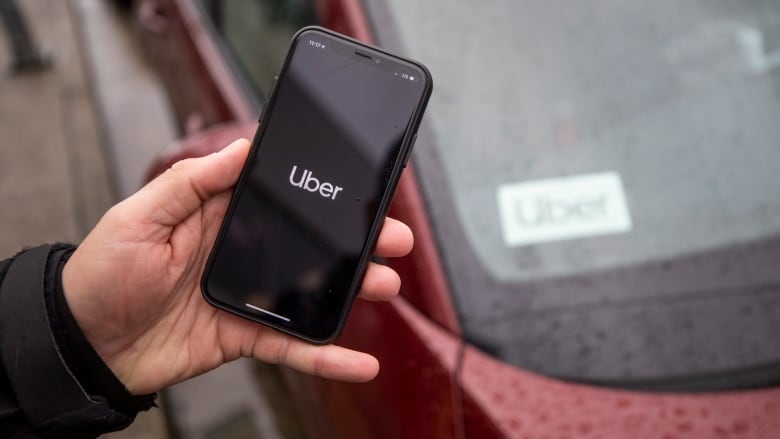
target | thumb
x=181, y=190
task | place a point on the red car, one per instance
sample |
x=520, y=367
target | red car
x=594, y=199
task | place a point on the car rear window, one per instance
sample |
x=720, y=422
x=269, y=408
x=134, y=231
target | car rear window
x=602, y=179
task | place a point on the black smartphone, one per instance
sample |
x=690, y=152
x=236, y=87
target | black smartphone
x=301, y=227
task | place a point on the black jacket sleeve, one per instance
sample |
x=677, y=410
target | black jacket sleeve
x=52, y=383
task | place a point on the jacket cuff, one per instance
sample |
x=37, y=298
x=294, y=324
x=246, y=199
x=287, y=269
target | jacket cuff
x=46, y=387
x=95, y=377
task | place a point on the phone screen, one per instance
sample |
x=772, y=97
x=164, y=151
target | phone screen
x=294, y=244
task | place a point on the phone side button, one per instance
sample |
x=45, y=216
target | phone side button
x=268, y=98
x=271, y=89
x=409, y=150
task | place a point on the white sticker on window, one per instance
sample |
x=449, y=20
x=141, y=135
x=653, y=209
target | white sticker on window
x=563, y=208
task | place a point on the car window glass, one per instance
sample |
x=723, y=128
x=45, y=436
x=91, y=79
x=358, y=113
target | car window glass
x=258, y=33
x=602, y=179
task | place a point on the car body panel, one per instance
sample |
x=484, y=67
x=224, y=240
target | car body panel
x=420, y=397
x=200, y=83
x=204, y=92
x=201, y=143
x=414, y=395
x=431, y=385
x=524, y=404
x=424, y=281
x=345, y=16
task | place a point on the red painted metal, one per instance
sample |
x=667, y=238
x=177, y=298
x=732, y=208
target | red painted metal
x=345, y=16
x=201, y=143
x=420, y=391
x=214, y=62
x=201, y=85
x=500, y=400
x=195, y=74
x=509, y=402
x=425, y=283
x=413, y=396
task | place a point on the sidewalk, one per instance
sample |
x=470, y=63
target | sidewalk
x=55, y=181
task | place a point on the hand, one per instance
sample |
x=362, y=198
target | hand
x=133, y=285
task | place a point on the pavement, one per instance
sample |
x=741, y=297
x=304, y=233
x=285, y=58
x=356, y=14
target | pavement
x=56, y=173
x=54, y=181
x=77, y=137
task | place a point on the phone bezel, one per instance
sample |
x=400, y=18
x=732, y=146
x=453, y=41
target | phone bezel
x=387, y=196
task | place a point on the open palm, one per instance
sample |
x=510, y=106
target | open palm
x=133, y=285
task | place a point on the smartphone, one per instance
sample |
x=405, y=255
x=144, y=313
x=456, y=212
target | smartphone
x=303, y=221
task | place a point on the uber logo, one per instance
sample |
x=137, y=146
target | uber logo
x=549, y=210
x=310, y=183
x=562, y=208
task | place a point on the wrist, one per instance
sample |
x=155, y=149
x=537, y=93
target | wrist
x=96, y=372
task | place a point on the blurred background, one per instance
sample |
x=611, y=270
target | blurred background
x=594, y=196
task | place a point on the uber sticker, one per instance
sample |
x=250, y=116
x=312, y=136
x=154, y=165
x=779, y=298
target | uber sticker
x=562, y=208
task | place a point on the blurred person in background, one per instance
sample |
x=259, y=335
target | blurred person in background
x=22, y=45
